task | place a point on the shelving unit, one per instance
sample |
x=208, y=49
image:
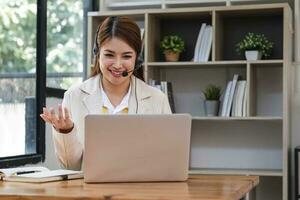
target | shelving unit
x=140, y=4
x=257, y=144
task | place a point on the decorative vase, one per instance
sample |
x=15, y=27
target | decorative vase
x=211, y=107
x=253, y=55
x=171, y=56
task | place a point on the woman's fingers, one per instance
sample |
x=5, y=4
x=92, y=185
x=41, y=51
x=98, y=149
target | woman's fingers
x=60, y=113
x=45, y=118
x=46, y=111
x=54, y=118
x=61, y=120
x=67, y=114
x=46, y=115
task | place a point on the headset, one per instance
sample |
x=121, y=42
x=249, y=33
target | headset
x=139, y=60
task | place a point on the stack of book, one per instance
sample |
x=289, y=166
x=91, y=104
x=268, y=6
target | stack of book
x=38, y=174
x=203, y=44
x=234, y=102
x=165, y=87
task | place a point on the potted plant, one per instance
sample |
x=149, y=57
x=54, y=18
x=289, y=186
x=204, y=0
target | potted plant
x=172, y=46
x=212, y=95
x=255, y=46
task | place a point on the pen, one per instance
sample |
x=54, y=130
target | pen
x=25, y=172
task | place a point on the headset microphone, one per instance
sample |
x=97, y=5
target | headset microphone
x=138, y=65
x=125, y=73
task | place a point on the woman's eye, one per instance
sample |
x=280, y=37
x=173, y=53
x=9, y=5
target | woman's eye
x=127, y=57
x=108, y=55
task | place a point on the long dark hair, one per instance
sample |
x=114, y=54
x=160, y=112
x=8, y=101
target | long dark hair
x=123, y=28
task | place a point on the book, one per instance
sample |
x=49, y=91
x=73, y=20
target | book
x=166, y=88
x=232, y=91
x=203, y=45
x=37, y=174
x=241, y=98
x=198, y=43
x=208, y=44
x=143, y=42
x=245, y=102
x=238, y=99
x=225, y=99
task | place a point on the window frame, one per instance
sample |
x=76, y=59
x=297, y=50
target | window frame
x=41, y=44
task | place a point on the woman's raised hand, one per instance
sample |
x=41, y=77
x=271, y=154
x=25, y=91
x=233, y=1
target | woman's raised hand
x=61, y=122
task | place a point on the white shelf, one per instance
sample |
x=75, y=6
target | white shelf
x=187, y=63
x=131, y=4
x=266, y=62
x=158, y=3
x=254, y=172
x=214, y=63
x=186, y=2
x=237, y=118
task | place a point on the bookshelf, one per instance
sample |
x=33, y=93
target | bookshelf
x=257, y=144
x=142, y=4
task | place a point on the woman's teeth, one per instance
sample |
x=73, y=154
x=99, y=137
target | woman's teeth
x=116, y=73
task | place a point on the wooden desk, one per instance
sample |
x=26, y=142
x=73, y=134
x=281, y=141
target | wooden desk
x=197, y=187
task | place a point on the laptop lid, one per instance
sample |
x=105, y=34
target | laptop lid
x=136, y=148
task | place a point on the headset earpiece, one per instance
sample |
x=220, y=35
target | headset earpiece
x=95, y=46
x=139, y=61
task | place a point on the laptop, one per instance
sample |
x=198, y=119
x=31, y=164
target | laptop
x=136, y=148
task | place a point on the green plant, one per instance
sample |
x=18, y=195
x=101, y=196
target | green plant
x=173, y=43
x=255, y=42
x=212, y=92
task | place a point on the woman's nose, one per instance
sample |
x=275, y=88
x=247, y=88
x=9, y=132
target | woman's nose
x=118, y=63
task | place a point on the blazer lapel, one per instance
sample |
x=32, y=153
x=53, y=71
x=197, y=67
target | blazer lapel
x=93, y=99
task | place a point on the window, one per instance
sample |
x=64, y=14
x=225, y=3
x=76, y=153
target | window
x=20, y=133
x=62, y=26
x=64, y=43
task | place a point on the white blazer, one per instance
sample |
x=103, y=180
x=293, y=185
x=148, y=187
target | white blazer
x=84, y=99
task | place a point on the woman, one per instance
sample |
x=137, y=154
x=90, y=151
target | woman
x=112, y=89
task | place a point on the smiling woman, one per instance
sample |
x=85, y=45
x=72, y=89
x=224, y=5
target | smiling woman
x=112, y=89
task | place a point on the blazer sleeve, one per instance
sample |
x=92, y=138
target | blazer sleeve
x=67, y=147
x=166, y=109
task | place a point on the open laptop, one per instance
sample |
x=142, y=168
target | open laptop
x=136, y=148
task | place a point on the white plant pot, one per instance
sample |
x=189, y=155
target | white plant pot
x=253, y=55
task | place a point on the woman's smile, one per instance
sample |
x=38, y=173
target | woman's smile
x=116, y=74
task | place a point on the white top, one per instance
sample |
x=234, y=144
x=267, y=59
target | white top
x=119, y=108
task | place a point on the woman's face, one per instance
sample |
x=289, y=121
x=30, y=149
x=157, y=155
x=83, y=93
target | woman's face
x=116, y=56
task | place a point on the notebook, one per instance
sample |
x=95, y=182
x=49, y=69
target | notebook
x=136, y=148
x=37, y=174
